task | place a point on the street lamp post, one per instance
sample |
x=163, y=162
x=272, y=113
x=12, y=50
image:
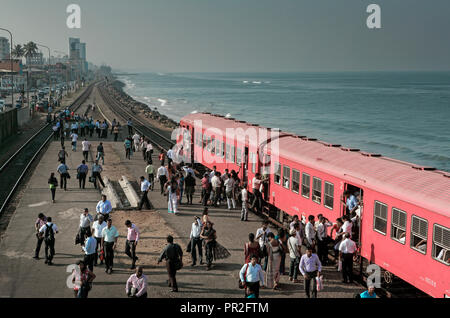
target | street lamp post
x=11, y=59
x=49, y=75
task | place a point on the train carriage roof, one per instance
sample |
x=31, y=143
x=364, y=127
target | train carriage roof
x=402, y=180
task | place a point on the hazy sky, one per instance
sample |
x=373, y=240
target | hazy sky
x=242, y=35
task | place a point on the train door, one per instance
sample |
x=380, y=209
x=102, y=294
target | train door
x=192, y=143
x=264, y=170
x=354, y=194
x=245, y=167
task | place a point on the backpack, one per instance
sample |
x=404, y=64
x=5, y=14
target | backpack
x=49, y=234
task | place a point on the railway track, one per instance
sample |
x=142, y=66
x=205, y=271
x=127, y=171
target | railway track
x=156, y=137
x=13, y=171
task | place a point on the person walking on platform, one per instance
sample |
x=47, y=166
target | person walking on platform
x=63, y=171
x=251, y=275
x=173, y=254
x=86, y=221
x=82, y=279
x=163, y=176
x=109, y=244
x=149, y=152
x=62, y=154
x=96, y=174
x=162, y=157
x=244, y=198
x=53, y=183
x=127, y=145
x=40, y=222
x=310, y=267
x=136, y=141
x=74, y=137
x=97, y=229
x=47, y=232
x=101, y=153
x=89, y=250
x=86, y=146
x=113, y=125
x=145, y=187
x=196, y=241
x=130, y=127
x=132, y=242
x=189, y=183
x=136, y=286
x=82, y=172
x=150, y=171
x=116, y=133
x=104, y=207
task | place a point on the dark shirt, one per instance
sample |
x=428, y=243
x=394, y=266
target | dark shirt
x=171, y=252
x=189, y=181
x=100, y=149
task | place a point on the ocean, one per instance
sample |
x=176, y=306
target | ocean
x=403, y=115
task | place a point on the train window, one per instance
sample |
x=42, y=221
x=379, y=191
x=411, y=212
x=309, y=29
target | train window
x=277, y=174
x=317, y=190
x=380, y=217
x=398, y=225
x=238, y=156
x=228, y=152
x=295, y=181
x=329, y=195
x=233, y=155
x=286, y=176
x=441, y=244
x=306, y=185
x=419, y=234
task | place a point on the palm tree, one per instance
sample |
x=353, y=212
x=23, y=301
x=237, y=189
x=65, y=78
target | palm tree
x=29, y=50
x=18, y=51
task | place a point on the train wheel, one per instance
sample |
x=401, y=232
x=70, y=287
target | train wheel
x=388, y=277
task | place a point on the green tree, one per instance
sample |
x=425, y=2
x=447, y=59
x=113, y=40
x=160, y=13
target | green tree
x=29, y=50
x=18, y=51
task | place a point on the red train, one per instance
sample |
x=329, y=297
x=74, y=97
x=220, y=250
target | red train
x=405, y=210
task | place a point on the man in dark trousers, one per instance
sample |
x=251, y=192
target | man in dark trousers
x=173, y=254
x=145, y=187
x=47, y=232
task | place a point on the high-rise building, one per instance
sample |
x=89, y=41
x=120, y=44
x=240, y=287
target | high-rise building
x=35, y=59
x=77, y=56
x=4, y=48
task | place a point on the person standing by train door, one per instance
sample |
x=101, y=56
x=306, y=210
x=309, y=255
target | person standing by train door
x=257, y=197
x=346, y=251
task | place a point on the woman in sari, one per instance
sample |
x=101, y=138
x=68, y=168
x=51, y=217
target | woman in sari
x=274, y=259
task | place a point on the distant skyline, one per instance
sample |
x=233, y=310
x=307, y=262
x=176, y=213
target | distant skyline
x=241, y=35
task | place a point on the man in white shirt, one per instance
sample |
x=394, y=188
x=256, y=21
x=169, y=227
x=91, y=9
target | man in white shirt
x=346, y=251
x=257, y=200
x=48, y=231
x=104, y=207
x=310, y=232
x=294, y=255
x=294, y=220
x=163, y=176
x=196, y=241
x=347, y=227
x=252, y=276
x=261, y=236
x=86, y=146
x=74, y=141
x=169, y=157
x=86, y=221
x=136, y=141
x=97, y=229
x=216, y=184
x=149, y=151
x=244, y=197
x=229, y=186
x=145, y=186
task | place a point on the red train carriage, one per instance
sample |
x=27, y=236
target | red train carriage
x=404, y=225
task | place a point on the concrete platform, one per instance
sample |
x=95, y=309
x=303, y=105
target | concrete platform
x=22, y=276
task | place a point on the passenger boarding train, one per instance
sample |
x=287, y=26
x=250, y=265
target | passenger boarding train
x=405, y=208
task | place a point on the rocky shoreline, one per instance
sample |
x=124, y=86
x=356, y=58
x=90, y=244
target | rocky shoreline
x=116, y=90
